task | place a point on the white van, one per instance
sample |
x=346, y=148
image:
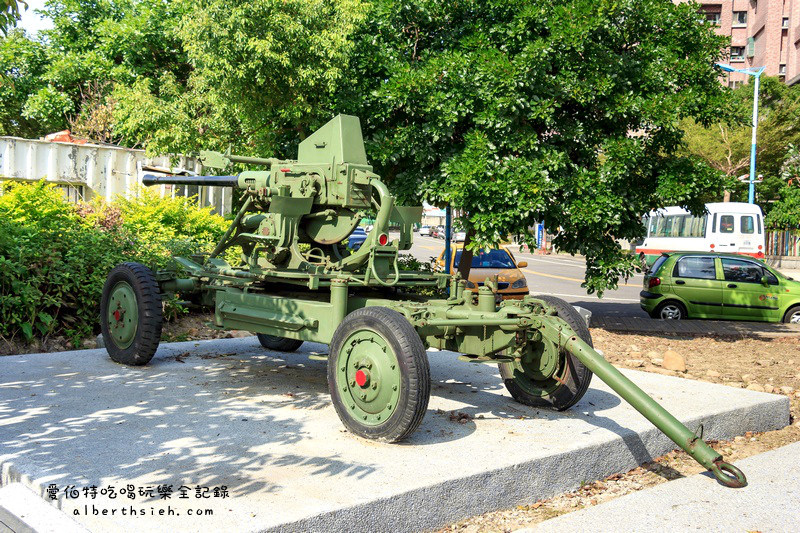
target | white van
x=732, y=227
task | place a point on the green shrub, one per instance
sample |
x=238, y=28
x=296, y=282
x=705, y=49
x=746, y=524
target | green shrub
x=55, y=256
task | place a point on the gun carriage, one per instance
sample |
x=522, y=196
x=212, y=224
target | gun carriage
x=298, y=282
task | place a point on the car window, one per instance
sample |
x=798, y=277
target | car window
x=695, y=267
x=488, y=259
x=726, y=224
x=660, y=261
x=771, y=279
x=743, y=271
x=747, y=224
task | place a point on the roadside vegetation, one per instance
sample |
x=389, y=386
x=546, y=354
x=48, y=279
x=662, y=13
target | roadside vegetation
x=55, y=255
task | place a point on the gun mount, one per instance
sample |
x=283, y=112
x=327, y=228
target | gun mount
x=296, y=282
x=318, y=200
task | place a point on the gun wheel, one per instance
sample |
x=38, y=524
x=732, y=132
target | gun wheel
x=130, y=314
x=548, y=376
x=378, y=375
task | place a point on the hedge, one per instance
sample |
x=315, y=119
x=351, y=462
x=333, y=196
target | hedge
x=55, y=255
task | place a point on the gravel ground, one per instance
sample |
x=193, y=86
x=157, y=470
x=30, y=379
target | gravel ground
x=769, y=365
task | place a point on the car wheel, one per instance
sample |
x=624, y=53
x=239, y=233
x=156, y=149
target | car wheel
x=670, y=310
x=792, y=316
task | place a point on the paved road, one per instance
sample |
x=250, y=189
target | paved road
x=559, y=275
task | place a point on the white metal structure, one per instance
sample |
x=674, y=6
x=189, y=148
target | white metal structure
x=88, y=170
x=732, y=227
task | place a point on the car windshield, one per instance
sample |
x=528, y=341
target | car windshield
x=488, y=259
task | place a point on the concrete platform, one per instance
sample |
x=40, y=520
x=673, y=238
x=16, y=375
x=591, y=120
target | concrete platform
x=260, y=423
x=770, y=502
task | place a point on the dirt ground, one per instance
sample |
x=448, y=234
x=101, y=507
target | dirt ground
x=763, y=364
x=771, y=365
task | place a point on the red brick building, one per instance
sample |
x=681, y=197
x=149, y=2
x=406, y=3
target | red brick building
x=764, y=33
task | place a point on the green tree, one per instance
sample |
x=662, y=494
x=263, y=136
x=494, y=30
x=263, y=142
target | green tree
x=93, y=46
x=22, y=66
x=564, y=112
x=726, y=145
x=785, y=213
x=512, y=111
x=264, y=76
x=10, y=13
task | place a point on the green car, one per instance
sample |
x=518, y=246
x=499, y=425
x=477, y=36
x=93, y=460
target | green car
x=719, y=286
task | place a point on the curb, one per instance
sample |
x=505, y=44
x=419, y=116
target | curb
x=707, y=328
x=23, y=511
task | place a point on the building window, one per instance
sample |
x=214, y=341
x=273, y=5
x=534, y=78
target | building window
x=737, y=53
x=739, y=19
x=785, y=23
x=72, y=193
x=735, y=84
x=712, y=18
x=782, y=69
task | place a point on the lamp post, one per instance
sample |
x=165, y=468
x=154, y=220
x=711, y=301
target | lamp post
x=756, y=73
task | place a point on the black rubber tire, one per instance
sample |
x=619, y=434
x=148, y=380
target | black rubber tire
x=578, y=378
x=279, y=344
x=148, y=300
x=414, y=368
x=787, y=318
x=682, y=308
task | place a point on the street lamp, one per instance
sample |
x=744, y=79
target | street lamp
x=756, y=73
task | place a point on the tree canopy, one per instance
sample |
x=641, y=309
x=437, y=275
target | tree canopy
x=785, y=213
x=10, y=13
x=725, y=145
x=566, y=111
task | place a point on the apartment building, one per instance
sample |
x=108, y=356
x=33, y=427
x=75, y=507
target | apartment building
x=763, y=33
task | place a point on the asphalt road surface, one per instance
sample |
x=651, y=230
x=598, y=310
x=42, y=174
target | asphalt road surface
x=558, y=275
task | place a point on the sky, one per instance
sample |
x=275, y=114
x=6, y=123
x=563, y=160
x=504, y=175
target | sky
x=32, y=22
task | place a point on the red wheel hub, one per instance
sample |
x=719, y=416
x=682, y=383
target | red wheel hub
x=117, y=315
x=361, y=378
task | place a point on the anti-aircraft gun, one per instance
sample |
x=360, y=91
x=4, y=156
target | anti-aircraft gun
x=298, y=282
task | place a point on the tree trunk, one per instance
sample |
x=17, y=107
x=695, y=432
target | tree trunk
x=465, y=263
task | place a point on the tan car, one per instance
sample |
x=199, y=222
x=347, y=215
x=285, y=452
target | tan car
x=498, y=263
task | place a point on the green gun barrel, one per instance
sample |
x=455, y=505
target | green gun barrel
x=208, y=181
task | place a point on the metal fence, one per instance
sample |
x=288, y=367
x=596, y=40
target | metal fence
x=783, y=242
x=84, y=171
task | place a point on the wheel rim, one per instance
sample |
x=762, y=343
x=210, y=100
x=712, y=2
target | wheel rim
x=123, y=315
x=671, y=312
x=368, y=377
x=795, y=318
x=542, y=369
